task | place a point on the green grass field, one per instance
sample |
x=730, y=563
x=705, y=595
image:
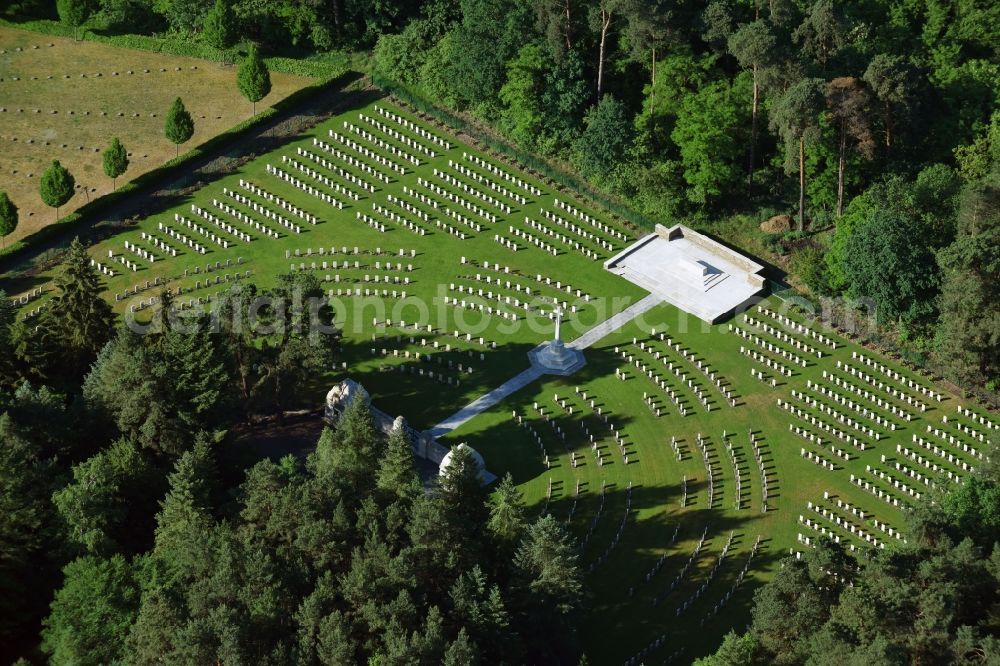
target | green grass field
x=622, y=618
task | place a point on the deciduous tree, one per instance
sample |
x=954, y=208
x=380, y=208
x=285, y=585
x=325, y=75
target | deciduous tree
x=253, y=78
x=753, y=45
x=56, y=186
x=115, y=161
x=8, y=216
x=179, y=126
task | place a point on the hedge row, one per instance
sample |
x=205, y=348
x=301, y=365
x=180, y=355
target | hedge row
x=422, y=104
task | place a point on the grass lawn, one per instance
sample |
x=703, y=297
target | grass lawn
x=66, y=100
x=636, y=554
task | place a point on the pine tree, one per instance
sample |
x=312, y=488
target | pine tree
x=78, y=321
x=461, y=652
x=396, y=476
x=56, y=186
x=8, y=216
x=179, y=125
x=185, y=518
x=507, y=511
x=219, y=30
x=115, y=161
x=253, y=79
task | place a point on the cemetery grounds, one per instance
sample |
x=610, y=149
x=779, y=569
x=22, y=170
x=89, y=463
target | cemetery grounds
x=669, y=509
x=63, y=99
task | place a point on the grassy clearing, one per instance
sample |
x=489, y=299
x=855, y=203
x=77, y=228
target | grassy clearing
x=622, y=618
x=62, y=99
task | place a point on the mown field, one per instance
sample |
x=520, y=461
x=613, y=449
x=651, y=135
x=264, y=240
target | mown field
x=637, y=541
x=65, y=99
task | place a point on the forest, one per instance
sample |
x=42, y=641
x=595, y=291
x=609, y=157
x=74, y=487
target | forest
x=868, y=132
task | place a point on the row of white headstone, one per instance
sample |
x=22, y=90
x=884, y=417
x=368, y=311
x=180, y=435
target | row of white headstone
x=340, y=171
x=966, y=430
x=844, y=401
x=395, y=134
x=456, y=199
x=352, y=161
x=811, y=401
x=221, y=224
x=413, y=127
x=606, y=228
x=896, y=483
x=820, y=423
x=566, y=224
x=488, y=182
x=781, y=335
x=104, y=270
x=381, y=160
x=140, y=251
x=158, y=243
x=843, y=383
x=197, y=228
x=892, y=374
x=562, y=238
x=497, y=171
x=267, y=196
x=325, y=180
x=534, y=240
x=383, y=144
x=795, y=326
x=768, y=345
x=246, y=219
x=468, y=189
x=408, y=207
x=807, y=434
x=817, y=459
x=882, y=386
x=302, y=186
x=708, y=579
x=766, y=360
x=955, y=441
x=682, y=574
x=942, y=453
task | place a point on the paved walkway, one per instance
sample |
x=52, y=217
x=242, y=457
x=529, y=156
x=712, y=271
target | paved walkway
x=612, y=324
x=488, y=400
x=484, y=402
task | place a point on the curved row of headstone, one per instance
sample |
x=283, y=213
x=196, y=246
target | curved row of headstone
x=781, y=335
x=322, y=178
x=272, y=198
x=497, y=171
x=339, y=170
x=716, y=378
x=844, y=401
x=759, y=457
x=709, y=467
x=820, y=423
x=606, y=228
x=358, y=292
x=533, y=305
x=737, y=472
x=768, y=345
x=682, y=574
x=481, y=307
x=488, y=182
x=457, y=199
x=882, y=386
x=797, y=327
x=364, y=150
x=668, y=391
x=739, y=580
x=824, y=408
x=413, y=127
x=892, y=374
x=618, y=535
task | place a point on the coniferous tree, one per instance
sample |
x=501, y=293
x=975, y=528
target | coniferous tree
x=462, y=651
x=507, y=511
x=397, y=476
x=115, y=161
x=8, y=216
x=219, y=30
x=795, y=116
x=56, y=186
x=253, y=78
x=179, y=126
x=78, y=321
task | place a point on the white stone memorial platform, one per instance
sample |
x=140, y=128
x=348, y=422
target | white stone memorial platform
x=691, y=271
